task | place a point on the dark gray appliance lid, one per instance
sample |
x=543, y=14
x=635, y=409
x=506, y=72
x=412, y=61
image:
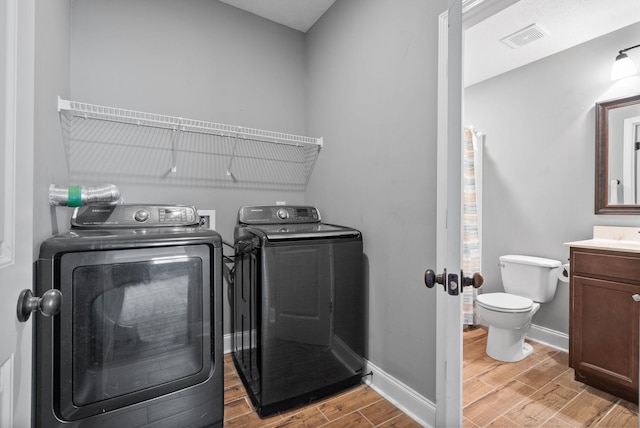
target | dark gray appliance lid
x=134, y=216
x=278, y=214
x=279, y=232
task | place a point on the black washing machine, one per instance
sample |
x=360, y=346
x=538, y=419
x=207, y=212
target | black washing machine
x=138, y=337
x=298, y=306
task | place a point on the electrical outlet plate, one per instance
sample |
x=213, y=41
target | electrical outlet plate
x=209, y=218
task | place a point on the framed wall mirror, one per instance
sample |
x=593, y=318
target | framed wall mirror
x=618, y=156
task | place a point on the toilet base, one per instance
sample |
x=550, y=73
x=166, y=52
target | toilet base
x=508, y=345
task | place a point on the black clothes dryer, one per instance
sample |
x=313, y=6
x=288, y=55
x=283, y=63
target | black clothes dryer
x=298, y=306
x=138, y=339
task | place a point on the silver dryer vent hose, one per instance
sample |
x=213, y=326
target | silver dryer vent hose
x=75, y=196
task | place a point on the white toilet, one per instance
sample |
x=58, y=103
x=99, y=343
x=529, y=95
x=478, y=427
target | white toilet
x=528, y=281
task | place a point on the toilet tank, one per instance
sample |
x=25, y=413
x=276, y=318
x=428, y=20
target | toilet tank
x=527, y=276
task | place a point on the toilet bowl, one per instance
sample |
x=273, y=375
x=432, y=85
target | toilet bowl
x=509, y=319
x=528, y=281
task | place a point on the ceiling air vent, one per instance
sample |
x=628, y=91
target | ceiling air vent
x=524, y=36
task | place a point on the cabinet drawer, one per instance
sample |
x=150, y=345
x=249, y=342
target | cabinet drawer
x=606, y=265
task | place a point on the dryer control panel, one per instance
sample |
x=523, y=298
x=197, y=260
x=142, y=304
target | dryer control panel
x=131, y=215
x=278, y=214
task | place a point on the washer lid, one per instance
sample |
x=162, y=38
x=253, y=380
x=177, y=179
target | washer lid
x=281, y=232
x=504, y=302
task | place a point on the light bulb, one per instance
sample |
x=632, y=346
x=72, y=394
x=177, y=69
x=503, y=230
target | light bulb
x=622, y=67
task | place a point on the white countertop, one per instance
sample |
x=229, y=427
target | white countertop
x=611, y=238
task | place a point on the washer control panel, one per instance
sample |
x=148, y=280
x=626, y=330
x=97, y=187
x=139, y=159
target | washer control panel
x=130, y=215
x=269, y=214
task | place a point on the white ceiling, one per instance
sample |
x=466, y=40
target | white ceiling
x=297, y=14
x=566, y=22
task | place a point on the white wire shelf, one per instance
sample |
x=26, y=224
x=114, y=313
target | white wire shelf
x=113, y=144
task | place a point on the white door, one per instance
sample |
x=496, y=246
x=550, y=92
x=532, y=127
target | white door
x=449, y=202
x=16, y=206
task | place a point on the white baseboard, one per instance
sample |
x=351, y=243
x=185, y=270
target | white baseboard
x=546, y=336
x=226, y=343
x=403, y=397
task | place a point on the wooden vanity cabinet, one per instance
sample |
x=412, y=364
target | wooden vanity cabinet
x=603, y=320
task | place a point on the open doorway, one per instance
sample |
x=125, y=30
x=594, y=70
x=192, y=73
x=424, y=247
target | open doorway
x=538, y=161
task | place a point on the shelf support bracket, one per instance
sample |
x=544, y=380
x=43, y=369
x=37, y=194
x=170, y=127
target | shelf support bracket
x=177, y=136
x=233, y=155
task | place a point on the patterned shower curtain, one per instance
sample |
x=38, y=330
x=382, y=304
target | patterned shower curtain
x=471, y=213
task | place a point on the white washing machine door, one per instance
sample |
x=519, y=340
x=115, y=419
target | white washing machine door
x=504, y=302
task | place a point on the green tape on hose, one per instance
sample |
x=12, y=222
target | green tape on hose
x=75, y=196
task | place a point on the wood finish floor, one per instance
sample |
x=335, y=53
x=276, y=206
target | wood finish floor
x=538, y=391
x=359, y=406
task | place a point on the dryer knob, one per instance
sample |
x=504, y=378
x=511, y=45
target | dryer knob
x=141, y=216
x=283, y=214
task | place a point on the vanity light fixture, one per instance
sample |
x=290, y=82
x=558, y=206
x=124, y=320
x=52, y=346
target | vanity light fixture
x=623, y=66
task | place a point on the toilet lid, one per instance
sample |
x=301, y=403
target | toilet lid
x=504, y=302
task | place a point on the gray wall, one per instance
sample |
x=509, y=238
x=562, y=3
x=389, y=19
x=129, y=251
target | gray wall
x=372, y=88
x=198, y=59
x=52, y=71
x=539, y=122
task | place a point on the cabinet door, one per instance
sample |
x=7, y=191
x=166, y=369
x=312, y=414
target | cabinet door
x=605, y=331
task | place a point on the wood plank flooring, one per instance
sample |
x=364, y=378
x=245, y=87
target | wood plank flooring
x=538, y=391
x=359, y=406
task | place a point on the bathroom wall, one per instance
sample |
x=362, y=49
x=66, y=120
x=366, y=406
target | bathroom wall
x=372, y=92
x=539, y=122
